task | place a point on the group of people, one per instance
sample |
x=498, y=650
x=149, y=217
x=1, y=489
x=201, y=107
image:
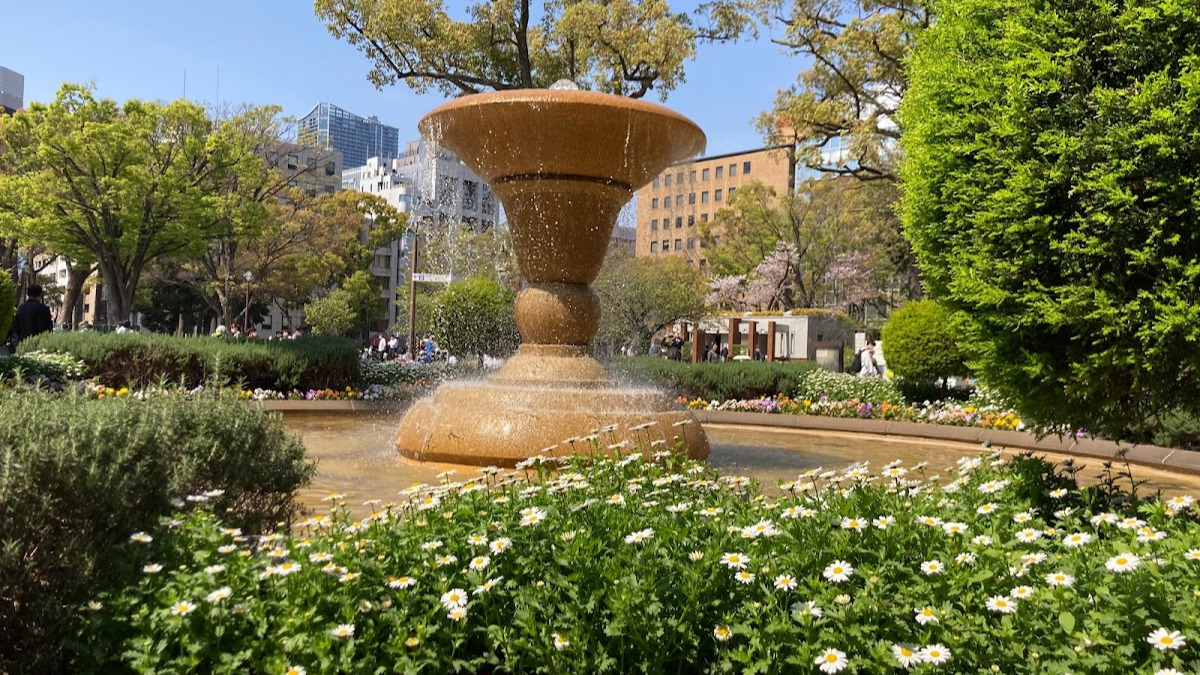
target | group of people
x=385, y=348
x=235, y=333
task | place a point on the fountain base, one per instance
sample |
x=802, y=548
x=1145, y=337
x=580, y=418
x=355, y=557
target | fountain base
x=542, y=396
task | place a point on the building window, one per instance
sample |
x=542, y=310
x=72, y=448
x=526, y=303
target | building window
x=704, y=197
x=655, y=181
x=691, y=221
x=691, y=243
x=654, y=224
x=292, y=160
x=654, y=245
x=719, y=170
x=383, y=260
x=654, y=203
x=678, y=200
x=470, y=194
x=732, y=170
x=678, y=244
x=329, y=168
x=666, y=245
x=745, y=168
x=667, y=180
x=704, y=217
x=717, y=195
x=691, y=198
x=679, y=178
x=329, y=189
x=704, y=174
x=731, y=191
x=703, y=263
x=692, y=176
x=679, y=221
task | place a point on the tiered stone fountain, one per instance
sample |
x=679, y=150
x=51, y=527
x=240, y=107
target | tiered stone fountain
x=563, y=162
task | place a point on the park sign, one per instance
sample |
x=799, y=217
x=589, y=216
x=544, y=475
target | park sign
x=432, y=278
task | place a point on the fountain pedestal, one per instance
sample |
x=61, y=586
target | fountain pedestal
x=563, y=163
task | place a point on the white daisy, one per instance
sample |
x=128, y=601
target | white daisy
x=831, y=661
x=1021, y=592
x=639, y=536
x=455, y=597
x=1028, y=535
x=785, y=582
x=560, y=642
x=1001, y=604
x=401, y=582
x=1076, y=539
x=219, y=594
x=500, y=545
x=744, y=577
x=1123, y=562
x=936, y=654
x=479, y=562
x=722, y=633
x=456, y=613
x=954, y=528
x=735, y=561
x=926, y=616
x=856, y=524
x=182, y=608
x=343, y=630
x=1060, y=579
x=884, y=522
x=932, y=567
x=838, y=571
x=1163, y=639
x=905, y=656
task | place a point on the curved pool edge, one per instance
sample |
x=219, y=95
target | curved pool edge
x=1174, y=459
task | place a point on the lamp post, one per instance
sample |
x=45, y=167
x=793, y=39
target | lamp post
x=248, y=276
x=412, y=298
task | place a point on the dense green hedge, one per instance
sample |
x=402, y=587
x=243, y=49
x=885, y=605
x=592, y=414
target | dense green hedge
x=922, y=343
x=78, y=475
x=136, y=360
x=733, y=379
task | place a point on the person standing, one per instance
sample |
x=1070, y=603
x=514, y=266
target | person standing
x=674, y=347
x=33, y=316
x=868, y=367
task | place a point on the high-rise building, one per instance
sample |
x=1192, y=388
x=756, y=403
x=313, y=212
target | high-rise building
x=357, y=138
x=12, y=90
x=671, y=209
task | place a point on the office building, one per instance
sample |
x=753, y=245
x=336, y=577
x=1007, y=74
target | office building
x=671, y=209
x=12, y=90
x=356, y=138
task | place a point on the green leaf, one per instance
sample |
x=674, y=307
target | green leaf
x=1067, y=621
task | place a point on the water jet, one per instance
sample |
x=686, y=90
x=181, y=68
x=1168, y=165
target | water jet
x=562, y=162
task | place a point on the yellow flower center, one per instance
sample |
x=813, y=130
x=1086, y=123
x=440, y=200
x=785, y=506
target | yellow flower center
x=831, y=658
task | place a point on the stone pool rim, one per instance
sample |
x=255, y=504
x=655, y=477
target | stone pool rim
x=1175, y=459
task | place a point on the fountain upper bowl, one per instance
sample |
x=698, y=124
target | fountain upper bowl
x=543, y=133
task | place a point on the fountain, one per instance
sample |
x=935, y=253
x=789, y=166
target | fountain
x=563, y=162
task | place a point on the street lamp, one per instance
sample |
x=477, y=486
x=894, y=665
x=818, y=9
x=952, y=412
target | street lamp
x=248, y=276
x=412, y=297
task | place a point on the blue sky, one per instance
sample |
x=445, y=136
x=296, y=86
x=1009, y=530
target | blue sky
x=277, y=51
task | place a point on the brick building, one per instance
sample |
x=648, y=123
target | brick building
x=670, y=209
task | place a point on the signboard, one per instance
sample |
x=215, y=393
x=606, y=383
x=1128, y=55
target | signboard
x=433, y=278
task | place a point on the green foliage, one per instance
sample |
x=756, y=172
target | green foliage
x=585, y=571
x=716, y=381
x=476, y=317
x=821, y=383
x=8, y=304
x=136, y=360
x=52, y=365
x=80, y=475
x=1050, y=194
x=922, y=343
x=331, y=314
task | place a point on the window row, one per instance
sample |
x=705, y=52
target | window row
x=717, y=195
x=666, y=245
x=677, y=178
x=666, y=222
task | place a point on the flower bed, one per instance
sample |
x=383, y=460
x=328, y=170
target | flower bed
x=374, y=392
x=660, y=565
x=951, y=413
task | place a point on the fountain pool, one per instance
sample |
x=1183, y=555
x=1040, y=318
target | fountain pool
x=357, y=456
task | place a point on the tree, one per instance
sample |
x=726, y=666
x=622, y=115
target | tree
x=123, y=185
x=626, y=47
x=8, y=304
x=331, y=314
x=787, y=246
x=476, y=317
x=922, y=343
x=1050, y=194
x=641, y=296
x=841, y=113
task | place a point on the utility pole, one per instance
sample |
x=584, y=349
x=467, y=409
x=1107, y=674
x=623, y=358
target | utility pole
x=412, y=299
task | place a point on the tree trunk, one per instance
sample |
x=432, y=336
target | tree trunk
x=72, y=298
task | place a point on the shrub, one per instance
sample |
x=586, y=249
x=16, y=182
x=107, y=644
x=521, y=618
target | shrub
x=80, y=475
x=820, y=382
x=721, y=381
x=1050, y=165
x=8, y=304
x=476, y=317
x=921, y=342
x=137, y=360
x=52, y=365
x=585, y=572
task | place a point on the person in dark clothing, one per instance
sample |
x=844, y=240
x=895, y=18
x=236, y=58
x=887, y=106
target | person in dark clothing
x=33, y=316
x=674, y=345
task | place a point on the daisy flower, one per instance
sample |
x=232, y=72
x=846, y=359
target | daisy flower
x=640, y=536
x=1021, y=592
x=954, y=528
x=982, y=540
x=714, y=511
x=926, y=616
x=722, y=633
x=534, y=517
x=809, y=608
x=1167, y=671
x=905, y=656
x=1123, y=562
x=343, y=630
x=152, y=568
x=930, y=521
x=831, y=661
x=1033, y=558
x=1192, y=554
x=696, y=556
x=785, y=582
x=1077, y=539
x=1001, y=604
x=735, y=561
x=1058, y=494
x=1060, y=579
x=1104, y=519
x=1022, y=518
x=1176, y=504
x=295, y=670
x=432, y=545
x=227, y=548
x=401, y=582
x=1028, y=535
x=932, y=567
x=936, y=654
x=500, y=545
x=443, y=560
x=744, y=577
x=838, y=571
x=856, y=524
x=477, y=540
x=183, y=608
x=140, y=538
x=456, y=613
x=993, y=486
x=964, y=558
x=479, y=562
x=763, y=528
x=617, y=500
x=219, y=594
x=1163, y=639
x=884, y=522
x=455, y=597
x=560, y=642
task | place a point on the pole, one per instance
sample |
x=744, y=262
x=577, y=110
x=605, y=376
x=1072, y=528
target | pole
x=246, y=319
x=412, y=301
